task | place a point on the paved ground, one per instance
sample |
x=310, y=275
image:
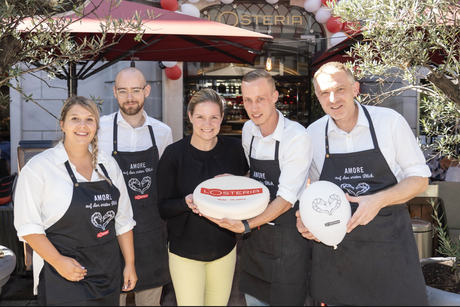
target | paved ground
x=18, y=292
x=24, y=283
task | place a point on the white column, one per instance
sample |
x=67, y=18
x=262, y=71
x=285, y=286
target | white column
x=15, y=125
x=173, y=104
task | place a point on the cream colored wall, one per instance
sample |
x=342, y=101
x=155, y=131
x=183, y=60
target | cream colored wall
x=173, y=104
x=30, y=122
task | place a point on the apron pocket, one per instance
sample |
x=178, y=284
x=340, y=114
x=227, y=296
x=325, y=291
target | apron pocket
x=103, y=279
x=60, y=291
x=380, y=230
x=258, y=254
x=99, y=260
x=147, y=218
x=263, y=239
x=151, y=254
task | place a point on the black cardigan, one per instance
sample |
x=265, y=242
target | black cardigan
x=177, y=176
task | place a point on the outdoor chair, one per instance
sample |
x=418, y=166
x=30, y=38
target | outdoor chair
x=7, y=188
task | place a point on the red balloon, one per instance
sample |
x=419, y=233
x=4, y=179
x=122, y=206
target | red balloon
x=170, y=5
x=324, y=2
x=173, y=73
x=334, y=24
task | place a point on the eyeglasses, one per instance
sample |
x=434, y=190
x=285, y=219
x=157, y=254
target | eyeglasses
x=123, y=93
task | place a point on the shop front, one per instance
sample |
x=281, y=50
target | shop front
x=297, y=37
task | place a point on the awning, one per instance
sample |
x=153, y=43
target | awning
x=233, y=70
x=169, y=36
x=336, y=53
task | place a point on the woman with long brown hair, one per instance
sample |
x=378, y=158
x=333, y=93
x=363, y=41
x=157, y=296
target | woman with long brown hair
x=73, y=209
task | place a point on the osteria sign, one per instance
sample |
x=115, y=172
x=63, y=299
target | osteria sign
x=266, y=20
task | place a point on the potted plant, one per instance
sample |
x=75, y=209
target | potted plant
x=442, y=274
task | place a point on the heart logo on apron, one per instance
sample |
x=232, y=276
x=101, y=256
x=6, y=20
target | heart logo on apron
x=361, y=188
x=140, y=187
x=321, y=206
x=101, y=222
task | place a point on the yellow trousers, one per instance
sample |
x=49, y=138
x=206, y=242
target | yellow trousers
x=202, y=283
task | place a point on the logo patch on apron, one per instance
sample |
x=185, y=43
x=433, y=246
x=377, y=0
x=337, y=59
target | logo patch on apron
x=135, y=185
x=101, y=222
x=361, y=188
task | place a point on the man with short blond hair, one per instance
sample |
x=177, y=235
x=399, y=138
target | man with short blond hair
x=275, y=258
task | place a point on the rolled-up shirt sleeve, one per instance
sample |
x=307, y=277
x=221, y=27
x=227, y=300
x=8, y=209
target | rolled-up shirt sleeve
x=124, y=221
x=296, y=159
x=28, y=203
x=408, y=155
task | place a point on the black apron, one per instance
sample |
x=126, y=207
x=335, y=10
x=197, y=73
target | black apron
x=86, y=232
x=376, y=264
x=150, y=247
x=274, y=258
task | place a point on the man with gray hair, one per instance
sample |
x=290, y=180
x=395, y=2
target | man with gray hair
x=377, y=263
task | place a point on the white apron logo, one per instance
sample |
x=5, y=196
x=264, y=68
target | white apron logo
x=321, y=206
x=361, y=188
x=142, y=186
x=101, y=222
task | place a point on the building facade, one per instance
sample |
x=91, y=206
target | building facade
x=297, y=34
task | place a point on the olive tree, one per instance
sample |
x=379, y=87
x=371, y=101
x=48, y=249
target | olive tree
x=34, y=37
x=418, y=42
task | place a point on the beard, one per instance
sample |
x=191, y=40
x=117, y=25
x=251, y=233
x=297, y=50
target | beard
x=132, y=109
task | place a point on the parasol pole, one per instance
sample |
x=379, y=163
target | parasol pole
x=72, y=79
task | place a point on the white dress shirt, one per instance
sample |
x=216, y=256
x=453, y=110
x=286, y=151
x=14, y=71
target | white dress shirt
x=133, y=139
x=44, y=191
x=395, y=138
x=295, y=153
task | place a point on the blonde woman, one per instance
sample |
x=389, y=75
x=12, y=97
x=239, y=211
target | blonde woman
x=73, y=209
x=202, y=256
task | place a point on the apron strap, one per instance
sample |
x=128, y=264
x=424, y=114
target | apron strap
x=277, y=147
x=104, y=170
x=71, y=174
x=327, y=140
x=74, y=179
x=115, y=134
x=250, y=147
x=371, y=128
x=152, y=136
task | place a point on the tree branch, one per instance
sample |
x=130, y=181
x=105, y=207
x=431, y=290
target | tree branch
x=445, y=85
x=30, y=98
